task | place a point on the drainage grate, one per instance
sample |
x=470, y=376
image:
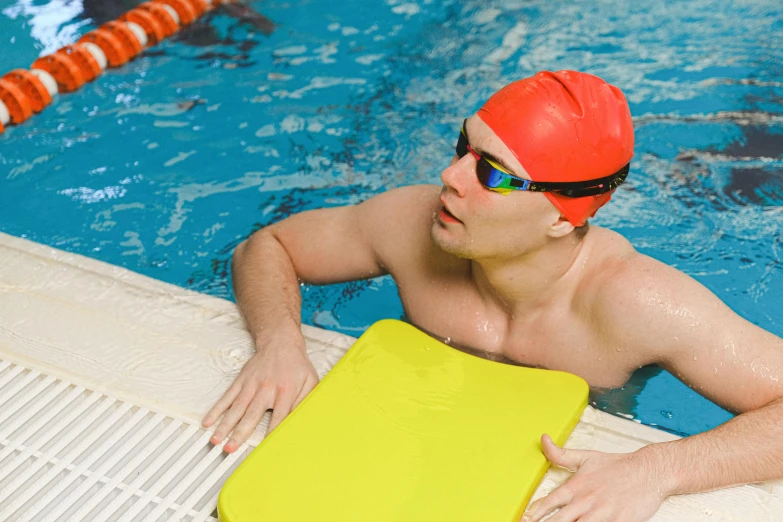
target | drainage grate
x=69, y=454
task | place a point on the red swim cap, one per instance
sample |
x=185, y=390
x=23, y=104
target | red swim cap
x=564, y=126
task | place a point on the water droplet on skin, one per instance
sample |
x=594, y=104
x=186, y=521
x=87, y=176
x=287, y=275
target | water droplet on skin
x=694, y=357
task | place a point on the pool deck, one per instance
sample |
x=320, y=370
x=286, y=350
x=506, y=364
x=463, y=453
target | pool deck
x=174, y=351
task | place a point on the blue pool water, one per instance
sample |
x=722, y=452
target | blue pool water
x=164, y=165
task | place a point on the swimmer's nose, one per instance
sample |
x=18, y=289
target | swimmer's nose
x=457, y=176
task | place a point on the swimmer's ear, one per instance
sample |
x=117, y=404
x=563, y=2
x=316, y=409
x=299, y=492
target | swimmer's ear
x=560, y=228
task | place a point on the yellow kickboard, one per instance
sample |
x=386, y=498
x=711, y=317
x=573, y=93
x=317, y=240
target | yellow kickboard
x=407, y=429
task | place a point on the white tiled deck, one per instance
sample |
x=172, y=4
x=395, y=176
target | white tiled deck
x=144, y=361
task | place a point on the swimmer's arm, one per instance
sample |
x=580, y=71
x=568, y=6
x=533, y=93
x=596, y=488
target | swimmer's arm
x=320, y=247
x=663, y=316
x=674, y=321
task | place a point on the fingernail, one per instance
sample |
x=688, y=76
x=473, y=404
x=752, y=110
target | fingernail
x=216, y=438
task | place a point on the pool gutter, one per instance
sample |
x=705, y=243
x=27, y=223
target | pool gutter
x=170, y=352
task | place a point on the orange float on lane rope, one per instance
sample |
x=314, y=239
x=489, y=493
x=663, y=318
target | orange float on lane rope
x=5, y=118
x=201, y=6
x=145, y=20
x=187, y=12
x=126, y=37
x=166, y=21
x=111, y=46
x=83, y=59
x=32, y=87
x=63, y=69
x=23, y=92
x=19, y=107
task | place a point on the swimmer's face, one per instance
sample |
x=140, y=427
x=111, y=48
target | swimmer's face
x=480, y=223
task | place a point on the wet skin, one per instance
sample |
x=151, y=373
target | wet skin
x=506, y=276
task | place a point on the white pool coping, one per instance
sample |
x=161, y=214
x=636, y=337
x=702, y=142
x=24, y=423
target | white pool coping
x=174, y=351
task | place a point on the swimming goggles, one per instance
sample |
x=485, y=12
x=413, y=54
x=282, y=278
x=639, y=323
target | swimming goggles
x=495, y=178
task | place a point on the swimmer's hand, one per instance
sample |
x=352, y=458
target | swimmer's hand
x=276, y=379
x=605, y=486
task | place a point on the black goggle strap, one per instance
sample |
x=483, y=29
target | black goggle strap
x=577, y=189
x=462, y=144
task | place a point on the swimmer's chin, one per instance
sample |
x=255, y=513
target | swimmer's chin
x=444, y=245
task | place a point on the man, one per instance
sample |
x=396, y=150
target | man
x=501, y=260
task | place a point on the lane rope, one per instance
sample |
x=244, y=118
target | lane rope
x=26, y=92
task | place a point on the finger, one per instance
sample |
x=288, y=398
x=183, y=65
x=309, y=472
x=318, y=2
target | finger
x=597, y=516
x=232, y=416
x=310, y=383
x=532, y=510
x=570, y=459
x=283, y=406
x=544, y=506
x=568, y=513
x=253, y=415
x=290, y=402
x=220, y=406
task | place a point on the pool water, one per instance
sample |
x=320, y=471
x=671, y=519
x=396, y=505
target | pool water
x=166, y=164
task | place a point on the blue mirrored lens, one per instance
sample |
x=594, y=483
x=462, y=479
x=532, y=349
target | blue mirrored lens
x=494, y=177
x=489, y=176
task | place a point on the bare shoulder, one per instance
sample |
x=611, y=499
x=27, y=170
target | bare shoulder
x=651, y=313
x=398, y=223
x=407, y=204
x=637, y=300
x=658, y=314
x=636, y=282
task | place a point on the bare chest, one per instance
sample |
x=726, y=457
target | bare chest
x=555, y=339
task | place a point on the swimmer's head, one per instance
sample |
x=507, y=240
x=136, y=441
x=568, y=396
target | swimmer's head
x=501, y=197
x=565, y=126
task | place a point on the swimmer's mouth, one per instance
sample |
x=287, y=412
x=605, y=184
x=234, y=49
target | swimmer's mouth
x=447, y=216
